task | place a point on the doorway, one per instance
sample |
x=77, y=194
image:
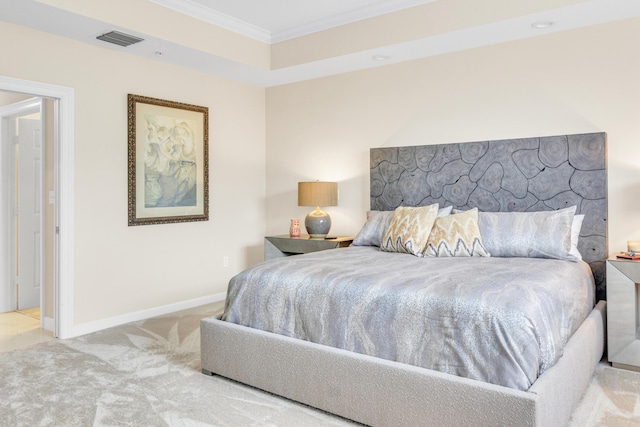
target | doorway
x=62, y=99
x=26, y=224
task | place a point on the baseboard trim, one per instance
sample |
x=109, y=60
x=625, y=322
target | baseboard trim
x=49, y=324
x=87, y=328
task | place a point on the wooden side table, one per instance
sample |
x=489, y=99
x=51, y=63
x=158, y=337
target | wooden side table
x=283, y=245
x=623, y=322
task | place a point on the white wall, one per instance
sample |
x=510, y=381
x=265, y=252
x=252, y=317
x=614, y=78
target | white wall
x=119, y=269
x=577, y=81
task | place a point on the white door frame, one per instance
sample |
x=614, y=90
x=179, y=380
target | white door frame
x=7, y=113
x=64, y=194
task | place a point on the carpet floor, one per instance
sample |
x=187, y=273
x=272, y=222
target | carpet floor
x=147, y=373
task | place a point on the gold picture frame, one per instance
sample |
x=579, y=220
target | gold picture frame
x=168, y=161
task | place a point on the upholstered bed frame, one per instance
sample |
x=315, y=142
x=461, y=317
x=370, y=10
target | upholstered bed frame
x=510, y=175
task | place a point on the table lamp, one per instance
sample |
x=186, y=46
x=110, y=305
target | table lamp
x=317, y=193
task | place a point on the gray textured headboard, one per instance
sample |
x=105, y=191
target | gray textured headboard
x=529, y=174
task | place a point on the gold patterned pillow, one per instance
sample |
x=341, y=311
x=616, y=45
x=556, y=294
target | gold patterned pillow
x=409, y=229
x=456, y=235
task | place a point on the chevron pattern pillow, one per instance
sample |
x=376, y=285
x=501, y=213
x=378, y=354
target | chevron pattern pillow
x=456, y=235
x=409, y=229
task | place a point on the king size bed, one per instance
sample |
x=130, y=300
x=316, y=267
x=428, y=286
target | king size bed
x=472, y=295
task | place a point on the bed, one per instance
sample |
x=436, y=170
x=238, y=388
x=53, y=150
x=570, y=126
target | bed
x=360, y=353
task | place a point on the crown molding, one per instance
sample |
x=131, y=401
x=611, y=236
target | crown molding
x=346, y=18
x=198, y=11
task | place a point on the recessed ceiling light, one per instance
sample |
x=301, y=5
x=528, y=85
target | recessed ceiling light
x=542, y=24
x=379, y=57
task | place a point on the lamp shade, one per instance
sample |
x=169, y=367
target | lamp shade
x=318, y=193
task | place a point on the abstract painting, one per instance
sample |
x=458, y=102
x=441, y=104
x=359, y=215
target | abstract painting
x=168, y=161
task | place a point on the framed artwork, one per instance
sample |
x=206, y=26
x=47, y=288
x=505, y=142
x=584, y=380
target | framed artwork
x=168, y=161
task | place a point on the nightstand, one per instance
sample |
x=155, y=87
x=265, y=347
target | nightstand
x=623, y=344
x=281, y=246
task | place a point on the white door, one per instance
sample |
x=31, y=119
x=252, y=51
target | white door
x=28, y=213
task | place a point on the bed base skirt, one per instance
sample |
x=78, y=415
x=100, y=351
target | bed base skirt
x=379, y=392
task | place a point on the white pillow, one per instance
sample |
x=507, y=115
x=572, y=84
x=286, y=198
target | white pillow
x=444, y=211
x=544, y=234
x=576, y=226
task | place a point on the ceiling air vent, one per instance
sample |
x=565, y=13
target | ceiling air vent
x=121, y=39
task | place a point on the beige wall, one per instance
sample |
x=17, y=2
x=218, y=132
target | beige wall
x=165, y=24
x=120, y=269
x=426, y=20
x=578, y=81
x=7, y=98
x=572, y=82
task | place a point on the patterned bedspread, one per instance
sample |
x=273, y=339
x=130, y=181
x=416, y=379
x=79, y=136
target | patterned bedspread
x=497, y=320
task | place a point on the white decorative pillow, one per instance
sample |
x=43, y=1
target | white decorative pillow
x=576, y=226
x=377, y=225
x=545, y=234
x=444, y=211
x=456, y=235
x=409, y=229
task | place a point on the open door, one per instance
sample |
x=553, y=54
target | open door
x=28, y=214
x=21, y=217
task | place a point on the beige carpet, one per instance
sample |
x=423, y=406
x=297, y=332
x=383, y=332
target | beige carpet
x=148, y=374
x=612, y=399
x=142, y=374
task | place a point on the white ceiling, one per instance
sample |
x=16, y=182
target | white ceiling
x=279, y=19
x=272, y=21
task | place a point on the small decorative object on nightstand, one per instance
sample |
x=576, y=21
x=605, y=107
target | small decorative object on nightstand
x=281, y=246
x=294, y=228
x=623, y=344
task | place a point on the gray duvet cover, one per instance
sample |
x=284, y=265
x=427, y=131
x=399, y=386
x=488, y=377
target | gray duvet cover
x=497, y=320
